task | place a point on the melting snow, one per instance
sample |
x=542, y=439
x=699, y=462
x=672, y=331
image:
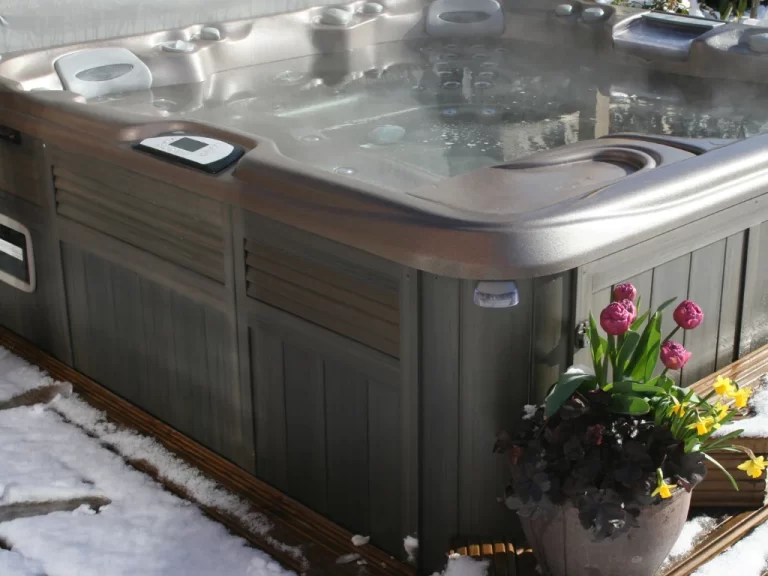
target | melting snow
x=411, y=546
x=18, y=376
x=757, y=425
x=14, y=564
x=464, y=566
x=748, y=557
x=144, y=530
x=358, y=540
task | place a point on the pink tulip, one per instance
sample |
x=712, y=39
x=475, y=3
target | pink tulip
x=631, y=308
x=673, y=355
x=624, y=292
x=688, y=315
x=615, y=319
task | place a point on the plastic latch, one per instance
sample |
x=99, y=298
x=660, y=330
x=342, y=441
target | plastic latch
x=501, y=294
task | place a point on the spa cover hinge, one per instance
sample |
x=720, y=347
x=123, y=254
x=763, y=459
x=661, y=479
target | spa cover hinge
x=581, y=336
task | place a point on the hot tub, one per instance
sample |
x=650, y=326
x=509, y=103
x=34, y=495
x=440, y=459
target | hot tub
x=343, y=247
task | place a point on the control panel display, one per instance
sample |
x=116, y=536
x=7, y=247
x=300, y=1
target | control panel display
x=206, y=154
x=188, y=144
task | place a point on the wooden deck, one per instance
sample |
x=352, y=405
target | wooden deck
x=295, y=525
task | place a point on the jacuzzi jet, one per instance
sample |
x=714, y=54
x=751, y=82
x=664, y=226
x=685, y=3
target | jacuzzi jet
x=448, y=56
x=311, y=139
x=388, y=134
x=489, y=111
x=449, y=112
x=483, y=84
x=486, y=75
x=371, y=8
x=334, y=17
x=345, y=171
x=451, y=85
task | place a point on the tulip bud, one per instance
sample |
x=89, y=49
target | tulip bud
x=615, y=319
x=624, y=292
x=688, y=315
x=631, y=308
x=673, y=355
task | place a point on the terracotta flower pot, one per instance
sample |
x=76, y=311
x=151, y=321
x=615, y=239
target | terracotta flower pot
x=564, y=548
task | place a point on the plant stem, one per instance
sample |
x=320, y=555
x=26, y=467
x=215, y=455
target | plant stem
x=668, y=338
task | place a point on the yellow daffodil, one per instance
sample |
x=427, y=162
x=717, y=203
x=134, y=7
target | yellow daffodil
x=754, y=467
x=722, y=411
x=740, y=397
x=678, y=408
x=663, y=489
x=703, y=425
x=723, y=386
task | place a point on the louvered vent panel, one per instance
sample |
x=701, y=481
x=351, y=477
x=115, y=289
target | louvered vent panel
x=176, y=225
x=363, y=309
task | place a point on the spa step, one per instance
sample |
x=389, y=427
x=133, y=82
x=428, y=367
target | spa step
x=294, y=525
x=504, y=557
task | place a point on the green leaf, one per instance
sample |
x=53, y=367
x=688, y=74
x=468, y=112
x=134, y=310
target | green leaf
x=665, y=304
x=598, y=347
x=646, y=353
x=564, y=389
x=723, y=439
x=629, y=404
x=627, y=386
x=716, y=463
x=664, y=382
x=639, y=321
x=631, y=339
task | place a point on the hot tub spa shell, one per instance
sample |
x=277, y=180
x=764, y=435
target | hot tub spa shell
x=322, y=332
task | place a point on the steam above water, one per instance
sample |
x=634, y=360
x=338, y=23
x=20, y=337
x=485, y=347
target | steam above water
x=404, y=114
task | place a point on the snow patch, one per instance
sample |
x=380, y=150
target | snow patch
x=411, y=546
x=529, y=411
x=755, y=426
x=145, y=530
x=747, y=557
x=692, y=533
x=17, y=376
x=348, y=558
x=358, y=540
x=464, y=566
x=14, y=564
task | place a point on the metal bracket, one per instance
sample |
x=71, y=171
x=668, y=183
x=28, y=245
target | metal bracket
x=581, y=341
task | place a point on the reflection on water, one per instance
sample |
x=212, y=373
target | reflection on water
x=402, y=115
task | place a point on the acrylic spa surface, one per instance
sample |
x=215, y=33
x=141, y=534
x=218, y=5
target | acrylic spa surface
x=402, y=115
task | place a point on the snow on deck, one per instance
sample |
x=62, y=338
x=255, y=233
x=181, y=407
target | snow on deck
x=144, y=530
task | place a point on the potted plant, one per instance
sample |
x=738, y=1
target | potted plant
x=602, y=472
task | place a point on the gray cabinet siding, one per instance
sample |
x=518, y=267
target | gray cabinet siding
x=327, y=344
x=328, y=426
x=478, y=368
x=168, y=353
